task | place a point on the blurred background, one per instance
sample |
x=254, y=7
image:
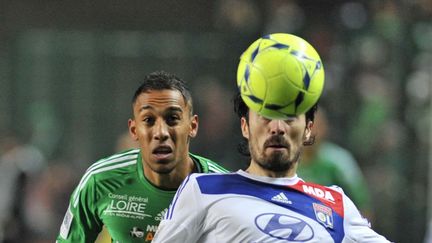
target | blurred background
x=68, y=70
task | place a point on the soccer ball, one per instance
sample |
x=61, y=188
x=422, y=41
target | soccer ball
x=280, y=76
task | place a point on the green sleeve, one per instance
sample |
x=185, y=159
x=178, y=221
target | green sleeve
x=350, y=176
x=81, y=222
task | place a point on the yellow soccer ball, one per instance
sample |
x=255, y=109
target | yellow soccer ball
x=280, y=76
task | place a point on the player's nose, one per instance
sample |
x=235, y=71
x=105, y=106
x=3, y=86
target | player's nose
x=160, y=131
x=276, y=127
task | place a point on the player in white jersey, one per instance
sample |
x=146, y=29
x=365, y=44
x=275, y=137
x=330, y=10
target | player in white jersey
x=267, y=202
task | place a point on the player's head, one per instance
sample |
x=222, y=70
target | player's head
x=274, y=145
x=163, y=121
x=161, y=80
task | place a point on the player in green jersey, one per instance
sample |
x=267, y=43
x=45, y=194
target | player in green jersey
x=129, y=192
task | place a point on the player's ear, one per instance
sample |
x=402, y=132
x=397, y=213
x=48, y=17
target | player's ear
x=193, y=126
x=308, y=138
x=244, y=127
x=132, y=129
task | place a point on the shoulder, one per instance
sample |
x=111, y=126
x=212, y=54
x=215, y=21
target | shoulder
x=114, y=163
x=214, y=183
x=104, y=169
x=207, y=165
x=213, y=177
x=203, y=179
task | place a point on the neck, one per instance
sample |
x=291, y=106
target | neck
x=256, y=169
x=172, y=179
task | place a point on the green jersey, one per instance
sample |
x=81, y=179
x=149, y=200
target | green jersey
x=114, y=192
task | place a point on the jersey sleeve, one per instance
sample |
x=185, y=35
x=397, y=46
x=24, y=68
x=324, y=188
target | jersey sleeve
x=182, y=222
x=81, y=222
x=357, y=228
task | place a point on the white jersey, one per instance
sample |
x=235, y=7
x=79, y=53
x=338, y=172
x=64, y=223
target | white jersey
x=240, y=207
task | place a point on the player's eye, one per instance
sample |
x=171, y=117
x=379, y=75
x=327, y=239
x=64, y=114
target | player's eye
x=290, y=120
x=173, y=119
x=148, y=120
x=263, y=118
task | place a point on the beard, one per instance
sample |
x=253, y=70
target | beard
x=277, y=161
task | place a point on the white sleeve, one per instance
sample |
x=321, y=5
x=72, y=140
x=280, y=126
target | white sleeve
x=182, y=222
x=357, y=228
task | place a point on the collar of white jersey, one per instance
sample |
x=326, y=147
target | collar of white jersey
x=278, y=181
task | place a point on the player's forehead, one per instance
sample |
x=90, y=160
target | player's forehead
x=165, y=99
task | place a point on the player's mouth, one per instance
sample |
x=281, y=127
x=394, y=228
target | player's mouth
x=162, y=152
x=276, y=143
x=276, y=147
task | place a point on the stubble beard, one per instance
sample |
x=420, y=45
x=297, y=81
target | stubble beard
x=276, y=161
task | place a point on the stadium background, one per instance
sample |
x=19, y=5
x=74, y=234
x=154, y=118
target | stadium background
x=68, y=70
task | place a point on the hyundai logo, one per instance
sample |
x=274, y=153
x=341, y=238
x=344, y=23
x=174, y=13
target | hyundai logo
x=284, y=227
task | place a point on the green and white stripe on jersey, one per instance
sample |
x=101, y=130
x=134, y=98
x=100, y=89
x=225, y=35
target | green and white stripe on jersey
x=116, y=161
x=216, y=168
x=209, y=165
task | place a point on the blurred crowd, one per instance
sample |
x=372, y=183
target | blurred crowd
x=66, y=98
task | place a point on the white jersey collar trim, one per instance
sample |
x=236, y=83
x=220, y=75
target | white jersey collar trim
x=278, y=181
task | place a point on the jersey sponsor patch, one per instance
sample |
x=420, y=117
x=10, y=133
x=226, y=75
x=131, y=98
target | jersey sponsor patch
x=127, y=206
x=319, y=192
x=67, y=222
x=327, y=196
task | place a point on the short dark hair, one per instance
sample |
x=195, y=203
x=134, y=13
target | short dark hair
x=161, y=80
x=242, y=110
